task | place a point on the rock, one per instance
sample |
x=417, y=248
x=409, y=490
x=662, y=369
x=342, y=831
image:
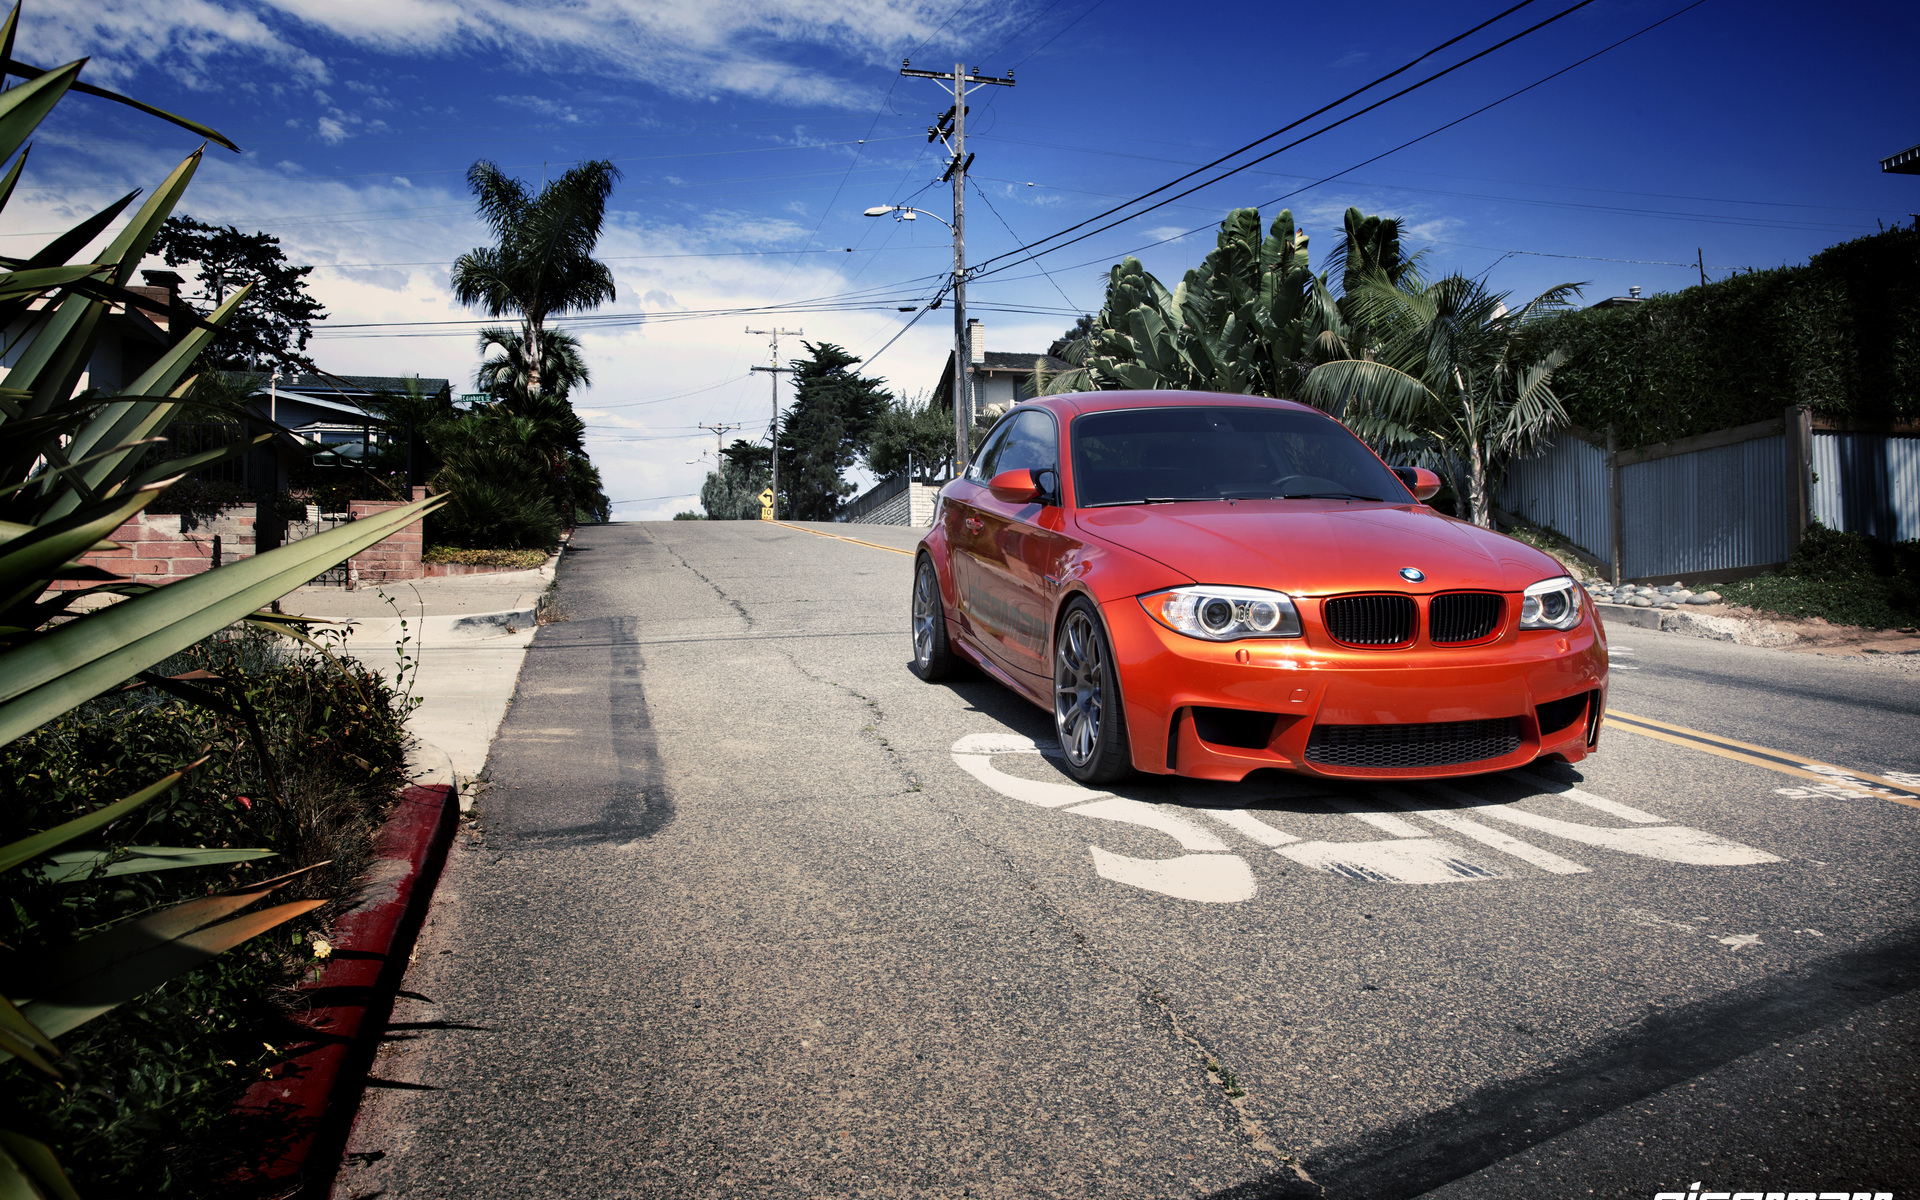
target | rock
x=1669, y=604
x=1682, y=596
x=1641, y=602
x=1704, y=598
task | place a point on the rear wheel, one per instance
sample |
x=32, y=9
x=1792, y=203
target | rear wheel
x=932, y=657
x=1086, y=699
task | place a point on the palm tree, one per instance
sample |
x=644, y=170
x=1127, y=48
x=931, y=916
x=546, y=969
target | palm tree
x=1445, y=378
x=543, y=264
x=513, y=373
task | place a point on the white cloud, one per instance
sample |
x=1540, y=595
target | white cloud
x=543, y=106
x=693, y=48
x=332, y=132
x=184, y=36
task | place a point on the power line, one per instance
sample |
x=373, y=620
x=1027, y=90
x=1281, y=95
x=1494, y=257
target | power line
x=1399, y=70
x=1430, y=133
x=1016, y=237
x=1043, y=45
x=1568, y=11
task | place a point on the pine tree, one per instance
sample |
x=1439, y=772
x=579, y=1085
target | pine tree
x=833, y=418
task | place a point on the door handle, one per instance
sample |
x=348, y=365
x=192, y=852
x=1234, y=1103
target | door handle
x=974, y=524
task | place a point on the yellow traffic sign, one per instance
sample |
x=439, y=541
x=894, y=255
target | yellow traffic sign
x=766, y=497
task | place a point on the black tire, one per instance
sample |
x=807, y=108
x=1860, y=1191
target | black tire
x=932, y=656
x=1087, y=712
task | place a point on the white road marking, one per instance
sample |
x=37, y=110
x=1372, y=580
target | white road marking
x=1244, y=822
x=1741, y=941
x=1613, y=808
x=1211, y=873
x=1207, y=878
x=974, y=755
x=1401, y=860
x=1500, y=840
x=1667, y=843
x=1614, y=666
x=1652, y=920
x=1190, y=835
x=1385, y=822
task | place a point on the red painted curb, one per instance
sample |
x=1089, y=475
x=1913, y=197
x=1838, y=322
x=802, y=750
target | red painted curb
x=303, y=1113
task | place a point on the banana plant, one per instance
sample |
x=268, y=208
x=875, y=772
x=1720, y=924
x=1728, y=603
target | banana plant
x=1251, y=318
x=72, y=469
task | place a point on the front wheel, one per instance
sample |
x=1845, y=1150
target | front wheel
x=932, y=656
x=1086, y=699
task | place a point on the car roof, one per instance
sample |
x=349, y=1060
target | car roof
x=1073, y=404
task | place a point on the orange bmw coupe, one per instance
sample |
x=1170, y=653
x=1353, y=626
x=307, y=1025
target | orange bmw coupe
x=1208, y=585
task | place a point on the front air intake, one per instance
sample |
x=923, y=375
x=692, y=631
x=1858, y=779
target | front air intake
x=1389, y=747
x=1369, y=620
x=1457, y=617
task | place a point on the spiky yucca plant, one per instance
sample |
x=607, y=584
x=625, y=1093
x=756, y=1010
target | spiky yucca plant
x=72, y=469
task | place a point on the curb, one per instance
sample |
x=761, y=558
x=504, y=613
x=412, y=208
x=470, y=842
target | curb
x=1714, y=627
x=306, y=1109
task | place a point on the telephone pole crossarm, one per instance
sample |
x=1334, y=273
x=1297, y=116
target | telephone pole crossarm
x=951, y=129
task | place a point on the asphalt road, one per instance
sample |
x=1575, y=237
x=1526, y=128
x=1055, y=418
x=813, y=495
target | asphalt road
x=736, y=919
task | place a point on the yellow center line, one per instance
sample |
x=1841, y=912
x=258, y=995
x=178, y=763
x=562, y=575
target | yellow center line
x=836, y=537
x=1708, y=743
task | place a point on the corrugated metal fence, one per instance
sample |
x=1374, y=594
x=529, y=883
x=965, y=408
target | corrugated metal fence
x=1718, y=509
x=1867, y=482
x=1722, y=504
x=1565, y=490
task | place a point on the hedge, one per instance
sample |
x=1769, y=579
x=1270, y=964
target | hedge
x=1840, y=335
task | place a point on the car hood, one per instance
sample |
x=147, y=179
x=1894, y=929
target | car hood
x=1320, y=548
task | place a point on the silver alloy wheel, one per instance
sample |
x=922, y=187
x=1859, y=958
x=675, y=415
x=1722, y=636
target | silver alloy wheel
x=1078, y=676
x=926, y=611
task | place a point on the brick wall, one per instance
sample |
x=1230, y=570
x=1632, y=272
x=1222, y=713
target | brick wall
x=159, y=548
x=396, y=557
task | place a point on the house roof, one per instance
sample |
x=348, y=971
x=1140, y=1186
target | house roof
x=358, y=385
x=1002, y=363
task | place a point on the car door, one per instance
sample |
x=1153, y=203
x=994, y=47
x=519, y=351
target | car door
x=1018, y=549
x=966, y=524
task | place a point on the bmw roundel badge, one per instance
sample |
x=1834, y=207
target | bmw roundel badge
x=1412, y=574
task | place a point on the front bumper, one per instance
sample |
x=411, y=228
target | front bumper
x=1174, y=689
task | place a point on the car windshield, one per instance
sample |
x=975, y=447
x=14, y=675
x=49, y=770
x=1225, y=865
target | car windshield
x=1154, y=455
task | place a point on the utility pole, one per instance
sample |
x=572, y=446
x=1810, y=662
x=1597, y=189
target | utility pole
x=774, y=372
x=719, y=431
x=951, y=129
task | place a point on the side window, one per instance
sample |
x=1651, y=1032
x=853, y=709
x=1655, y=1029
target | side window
x=1031, y=444
x=982, y=468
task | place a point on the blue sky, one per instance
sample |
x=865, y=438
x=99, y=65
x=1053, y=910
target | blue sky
x=752, y=135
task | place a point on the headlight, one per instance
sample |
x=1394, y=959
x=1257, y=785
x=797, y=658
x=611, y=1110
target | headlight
x=1224, y=614
x=1551, y=604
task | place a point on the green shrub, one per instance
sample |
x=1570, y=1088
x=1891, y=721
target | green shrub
x=1840, y=335
x=524, y=560
x=157, y=1076
x=1845, y=578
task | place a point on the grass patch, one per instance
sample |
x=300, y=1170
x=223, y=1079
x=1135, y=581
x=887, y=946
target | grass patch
x=523, y=560
x=1844, y=578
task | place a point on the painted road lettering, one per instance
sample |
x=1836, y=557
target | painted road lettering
x=1210, y=871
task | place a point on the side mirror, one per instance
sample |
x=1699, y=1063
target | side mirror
x=1014, y=487
x=1424, y=484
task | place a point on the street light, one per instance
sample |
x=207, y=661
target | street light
x=962, y=359
x=904, y=212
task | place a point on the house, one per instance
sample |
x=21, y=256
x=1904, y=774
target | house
x=999, y=380
x=132, y=338
x=339, y=412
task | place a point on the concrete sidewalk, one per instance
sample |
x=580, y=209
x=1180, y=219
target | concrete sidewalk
x=466, y=633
